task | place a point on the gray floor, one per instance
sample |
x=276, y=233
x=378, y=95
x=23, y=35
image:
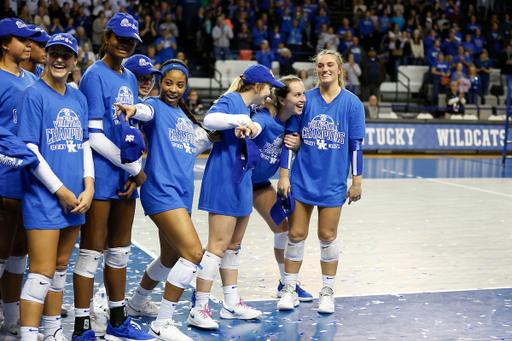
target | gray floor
x=405, y=236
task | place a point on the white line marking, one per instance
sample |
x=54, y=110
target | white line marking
x=469, y=187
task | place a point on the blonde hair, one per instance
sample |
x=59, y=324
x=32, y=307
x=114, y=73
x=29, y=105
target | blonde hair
x=339, y=60
x=283, y=92
x=238, y=85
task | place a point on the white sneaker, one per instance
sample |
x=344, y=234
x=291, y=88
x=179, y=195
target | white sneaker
x=239, y=311
x=289, y=298
x=148, y=308
x=10, y=333
x=64, y=311
x=201, y=317
x=168, y=332
x=97, y=325
x=57, y=336
x=326, y=303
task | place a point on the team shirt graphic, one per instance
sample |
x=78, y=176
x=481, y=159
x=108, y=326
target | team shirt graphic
x=272, y=151
x=124, y=96
x=323, y=133
x=183, y=136
x=66, y=128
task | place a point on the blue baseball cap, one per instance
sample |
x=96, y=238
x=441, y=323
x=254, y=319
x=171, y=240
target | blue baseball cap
x=260, y=74
x=43, y=38
x=247, y=158
x=132, y=143
x=124, y=25
x=16, y=27
x=63, y=39
x=141, y=65
x=282, y=208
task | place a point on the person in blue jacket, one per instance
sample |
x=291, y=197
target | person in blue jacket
x=53, y=120
x=265, y=56
x=332, y=129
x=227, y=202
x=15, y=48
x=105, y=83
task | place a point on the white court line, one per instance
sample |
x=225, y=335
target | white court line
x=469, y=187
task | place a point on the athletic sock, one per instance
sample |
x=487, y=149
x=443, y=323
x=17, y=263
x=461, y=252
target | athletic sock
x=328, y=281
x=230, y=295
x=281, y=271
x=202, y=298
x=29, y=333
x=290, y=279
x=51, y=324
x=140, y=296
x=11, y=313
x=165, y=313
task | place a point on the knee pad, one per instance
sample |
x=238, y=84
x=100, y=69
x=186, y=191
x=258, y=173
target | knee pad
x=87, y=263
x=182, y=273
x=294, y=251
x=58, y=281
x=16, y=265
x=231, y=260
x=118, y=257
x=280, y=240
x=329, y=251
x=210, y=266
x=36, y=287
x=2, y=266
x=156, y=271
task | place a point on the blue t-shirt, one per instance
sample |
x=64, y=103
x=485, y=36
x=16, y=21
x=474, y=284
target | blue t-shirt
x=473, y=27
x=259, y=36
x=39, y=71
x=58, y=125
x=475, y=84
x=450, y=47
x=343, y=31
x=219, y=193
x=366, y=27
x=155, y=60
x=103, y=87
x=275, y=39
x=320, y=20
x=384, y=23
x=469, y=46
x=479, y=44
x=484, y=76
x=167, y=52
x=295, y=37
x=269, y=141
x=11, y=87
x=319, y=173
x=441, y=67
x=456, y=59
x=356, y=50
x=170, y=160
x=432, y=56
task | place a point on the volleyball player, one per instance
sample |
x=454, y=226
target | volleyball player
x=53, y=123
x=35, y=63
x=332, y=131
x=144, y=71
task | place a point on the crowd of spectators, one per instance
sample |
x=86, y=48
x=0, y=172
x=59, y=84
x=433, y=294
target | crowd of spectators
x=460, y=41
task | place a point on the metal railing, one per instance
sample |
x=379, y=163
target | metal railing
x=407, y=86
x=213, y=77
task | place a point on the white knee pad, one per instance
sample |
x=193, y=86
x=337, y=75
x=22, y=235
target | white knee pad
x=294, y=251
x=36, y=287
x=280, y=240
x=329, y=251
x=209, y=267
x=118, y=257
x=87, y=263
x=2, y=266
x=182, y=273
x=58, y=281
x=16, y=265
x=231, y=260
x=156, y=271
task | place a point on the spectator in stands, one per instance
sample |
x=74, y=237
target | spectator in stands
x=442, y=21
x=450, y=44
x=428, y=43
x=75, y=77
x=181, y=56
x=295, y=37
x=42, y=19
x=276, y=37
x=478, y=41
x=346, y=42
x=506, y=65
x=472, y=26
x=342, y=31
x=398, y=6
x=506, y=27
x=25, y=15
x=165, y=44
x=484, y=68
x=454, y=101
x=265, y=55
x=82, y=19
x=87, y=54
x=245, y=38
x=155, y=60
x=469, y=47
x=70, y=27
x=259, y=32
x=371, y=110
x=373, y=74
x=327, y=36
x=222, y=34
x=171, y=26
x=321, y=19
x=148, y=32
x=98, y=26
x=366, y=28
x=56, y=27
x=384, y=21
x=461, y=78
x=353, y=72
x=309, y=82
x=456, y=17
x=398, y=19
x=483, y=7
x=360, y=6
x=286, y=61
x=433, y=53
x=494, y=40
x=461, y=57
x=194, y=103
x=358, y=51
x=384, y=6
x=81, y=37
x=439, y=70
x=474, y=89
x=417, y=49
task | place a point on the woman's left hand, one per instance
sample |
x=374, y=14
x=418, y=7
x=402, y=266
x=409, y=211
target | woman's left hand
x=354, y=193
x=127, y=110
x=129, y=187
x=84, y=199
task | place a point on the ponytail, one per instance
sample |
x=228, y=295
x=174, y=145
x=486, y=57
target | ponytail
x=104, y=46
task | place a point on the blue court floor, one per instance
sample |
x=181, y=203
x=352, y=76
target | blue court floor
x=426, y=254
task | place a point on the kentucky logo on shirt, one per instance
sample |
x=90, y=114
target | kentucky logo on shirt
x=10, y=161
x=322, y=130
x=272, y=151
x=183, y=136
x=67, y=128
x=124, y=96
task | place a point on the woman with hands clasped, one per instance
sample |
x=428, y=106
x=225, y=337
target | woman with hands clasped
x=332, y=130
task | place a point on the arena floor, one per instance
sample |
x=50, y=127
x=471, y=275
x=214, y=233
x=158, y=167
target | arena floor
x=426, y=254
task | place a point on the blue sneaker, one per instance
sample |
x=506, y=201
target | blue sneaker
x=126, y=332
x=304, y=296
x=87, y=336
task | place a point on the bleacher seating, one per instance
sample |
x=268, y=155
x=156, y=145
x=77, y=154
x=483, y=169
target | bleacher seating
x=425, y=116
x=415, y=74
x=471, y=110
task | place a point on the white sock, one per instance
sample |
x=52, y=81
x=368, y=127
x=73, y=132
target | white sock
x=82, y=312
x=51, y=324
x=290, y=279
x=201, y=298
x=230, y=295
x=328, y=281
x=165, y=313
x=281, y=271
x=29, y=333
x=140, y=296
x=115, y=304
x=11, y=313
